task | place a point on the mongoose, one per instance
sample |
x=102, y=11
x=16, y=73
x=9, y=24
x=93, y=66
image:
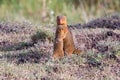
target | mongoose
x=58, y=44
x=64, y=38
x=68, y=42
x=58, y=49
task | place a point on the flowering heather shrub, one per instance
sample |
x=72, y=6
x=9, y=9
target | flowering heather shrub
x=25, y=57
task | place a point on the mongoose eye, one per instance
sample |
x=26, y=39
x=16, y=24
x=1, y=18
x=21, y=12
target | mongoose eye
x=62, y=29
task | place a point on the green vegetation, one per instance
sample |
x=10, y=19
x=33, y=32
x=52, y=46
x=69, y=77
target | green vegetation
x=26, y=48
x=45, y=11
x=42, y=35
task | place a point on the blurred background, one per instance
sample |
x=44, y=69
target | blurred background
x=45, y=11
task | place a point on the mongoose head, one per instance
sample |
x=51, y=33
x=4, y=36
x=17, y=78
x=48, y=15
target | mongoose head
x=61, y=20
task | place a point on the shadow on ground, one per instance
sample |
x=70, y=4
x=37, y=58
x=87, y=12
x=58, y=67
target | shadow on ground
x=27, y=57
x=7, y=46
x=112, y=22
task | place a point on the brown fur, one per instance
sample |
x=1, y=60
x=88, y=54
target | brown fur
x=58, y=44
x=61, y=20
x=64, y=43
x=69, y=47
x=58, y=49
x=68, y=43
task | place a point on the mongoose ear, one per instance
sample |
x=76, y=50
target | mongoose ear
x=64, y=17
x=58, y=20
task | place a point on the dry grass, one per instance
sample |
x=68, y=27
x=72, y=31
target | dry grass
x=23, y=57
